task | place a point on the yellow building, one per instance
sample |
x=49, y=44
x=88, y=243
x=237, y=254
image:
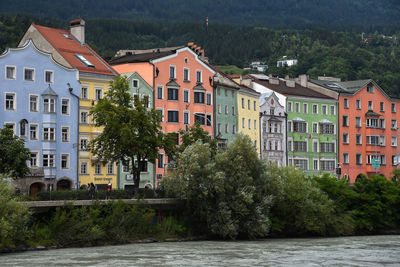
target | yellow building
x=249, y=114
x=68, y=48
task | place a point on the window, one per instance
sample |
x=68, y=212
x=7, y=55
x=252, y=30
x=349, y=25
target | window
x=382, y=123
x=10, y=101
x=299, y=127
x=29, y=75
x=372, y=139
x=135, y=83
x=370, y=105
x=315, y=128
x=234, y=128
x=64, y=134
x=346, y=158
x=199, y=78
x=125, y=168
x=143, y=166
x=345, y=121
x=208, y=118
x=382, y=140
x=84, y=144
x=174, y=137
x=358, y=159
x=326, y=128
x=271, y=111
x=84, y=168
x=332, y=110
x=243, y=123
x=297, y=107
x=383, y=159
x=159, y=92
x=249, y=124
x=97, y=169
x=173, y=116
x=226, y=128
x=172, y=72
x=226, y=109
x=209, y=97
x=64, y=161
x=289, y=126
x=186, y=96
x=10, y=126
x=110, y=168
x=345, y=138
x=327, y=147
x=242, y=102
x=34, y=159
x=315, y=147
x=324, y=110
x=315, y=109
x=160, y=161
x=22, y=127
x=289, y=145
x=49, y=134
x=84, y=93
x=300, y=146
x=33, y=131
x=394, y=160
x=65, y=106
x=48, y=76
x=48, y=160
x=98, y=94
x=219, y=128
x=33, y=103
x=372, y=123
x=145, y=101
x=301, y=163
x=393, y=108
x=84, y=117
x=393, y=124
x=358, y=104
x=289, y=107
x=370, y=158
x=84, y=61
x=305, y=108
x=185, y=75
x=393, y=141
x=382, y=106
x=199, y=97
x=255, y=105
x=255, y=125
x=49, y=105
x=186, y=117
x=172, y=94
x=315, y=163
x=370, y=89
x=161, y=113
x=327, y=165
x=219, y=108
x=10, y=73
x=345, y=103
x=248, y=104
x=358, y=122
x=358, y=139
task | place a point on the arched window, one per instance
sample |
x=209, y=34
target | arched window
x=22, y=127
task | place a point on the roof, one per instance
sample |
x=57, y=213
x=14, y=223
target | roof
x=263, y=97
x=297, y=90
x=349, y=87
x=221, y=78
x=49, y=91
x=69, y=48
x=143, y=57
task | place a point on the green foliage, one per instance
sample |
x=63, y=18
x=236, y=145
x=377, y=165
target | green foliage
x=301, y=208
x=13, y=154
x=131, y=131
x=223, y=195
x=194, y=134
x=13, y=218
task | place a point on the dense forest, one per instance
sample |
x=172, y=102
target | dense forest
x=284, y=13
x=343, y=54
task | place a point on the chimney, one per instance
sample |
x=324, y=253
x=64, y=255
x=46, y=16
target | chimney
x=273, y=79
x=303, y=80
x=77, y=29
x=290, y=83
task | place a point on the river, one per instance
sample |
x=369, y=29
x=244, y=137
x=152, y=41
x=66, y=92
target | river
x=342, y=251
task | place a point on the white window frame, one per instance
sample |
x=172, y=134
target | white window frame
x=188, y=94
x=87, y=117
x=14, y=126
x=49, y=158
x=80, y=143
x=249, y=122
x=37, y=131
x=37, y=103
x=326, y=109
x=162, y=113
x=14, y=74
x=316, y=111
x=290, y=107
x=133, y=83
x=186, y=112
x=33, y=74
x=51, y=77
x=211, y=100
x=357, y=134
x=315, y=124
x=14, y=100
x=37, y=159
x=84, y=88
x=49, y=134
x=297, y=107
x=68, y=107
x=332, y=107
x=97, y=89
x=68, y=134
x=358, y=101
x=169, y=72
x=51, y=105
x=346, y=103
x=112, y=168
x=97, y=171
x=162, y=92
x=83, y=163
x=188, y=76
x=343, y=141
x=391, y=107
x=68, y=161
x=395, y=141
x=343, y=157
x=201, y=76
x=305, y=108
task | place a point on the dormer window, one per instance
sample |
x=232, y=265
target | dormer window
x=84, y=61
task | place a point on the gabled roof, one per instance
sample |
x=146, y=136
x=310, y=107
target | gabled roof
x=49, y=91
x=69, y=48
x=145, y=57
x=297, y=90
x=221, y=78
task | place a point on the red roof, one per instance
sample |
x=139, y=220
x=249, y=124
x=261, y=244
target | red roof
x=69, y=47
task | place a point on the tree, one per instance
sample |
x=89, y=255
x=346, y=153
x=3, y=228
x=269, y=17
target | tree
x=194, y=134
x=132, y=133
x=13, y=154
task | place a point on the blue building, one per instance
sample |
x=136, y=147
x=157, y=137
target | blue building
x=39, y=102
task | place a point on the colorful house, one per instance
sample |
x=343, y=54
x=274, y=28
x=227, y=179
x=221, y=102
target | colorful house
x=368, y=132
x=39, y=101
x=68, y=47
x=311, y=124
x=138, y=87
x=183, y=88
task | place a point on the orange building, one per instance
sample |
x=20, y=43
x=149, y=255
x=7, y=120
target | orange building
x=183, y=88
x=368, y=121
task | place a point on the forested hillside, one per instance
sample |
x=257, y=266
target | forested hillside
x=283, y=13
x=320, y=52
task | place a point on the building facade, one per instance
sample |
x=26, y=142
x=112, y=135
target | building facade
x=273, y=129
x=68, y=47
x=38, y=100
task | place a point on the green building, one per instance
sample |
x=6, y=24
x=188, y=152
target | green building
x=225, y=109
x=138, y=88
x=312, y=120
